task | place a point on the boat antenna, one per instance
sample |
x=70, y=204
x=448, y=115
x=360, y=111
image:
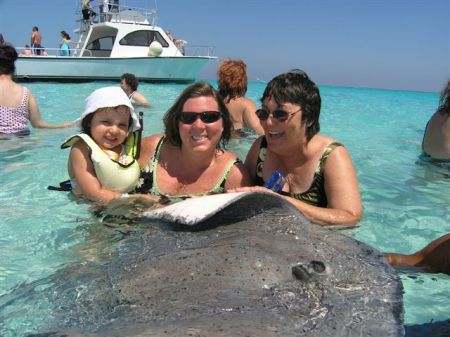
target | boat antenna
x=154, y=13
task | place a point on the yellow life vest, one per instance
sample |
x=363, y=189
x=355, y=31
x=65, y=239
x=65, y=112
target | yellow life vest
x=119, y=176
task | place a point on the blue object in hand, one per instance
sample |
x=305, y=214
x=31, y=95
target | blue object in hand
x=275, y=182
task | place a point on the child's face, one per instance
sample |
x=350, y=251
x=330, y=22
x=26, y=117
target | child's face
x=109, y=126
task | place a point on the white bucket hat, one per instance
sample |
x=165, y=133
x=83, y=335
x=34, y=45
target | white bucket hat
x=105, y=98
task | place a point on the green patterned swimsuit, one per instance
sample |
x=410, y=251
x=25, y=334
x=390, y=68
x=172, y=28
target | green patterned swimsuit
x=315, y=195
x=148, y=183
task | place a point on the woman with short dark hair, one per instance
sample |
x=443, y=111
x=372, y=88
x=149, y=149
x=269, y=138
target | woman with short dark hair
x=129, y=83
x=310, y=170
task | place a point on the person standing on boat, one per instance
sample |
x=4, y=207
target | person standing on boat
x=88, y=14
x=436, y=139
x=115, y=6
x=17, y=104
x=64, y=48
x=233, y=86
x=129, y=83
x=105, y=8
x=36, y=40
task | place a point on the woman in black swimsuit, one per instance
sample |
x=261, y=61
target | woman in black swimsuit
x=318, y=174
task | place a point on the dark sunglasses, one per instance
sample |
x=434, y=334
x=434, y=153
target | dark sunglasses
x=205, y=116
x=279, y=114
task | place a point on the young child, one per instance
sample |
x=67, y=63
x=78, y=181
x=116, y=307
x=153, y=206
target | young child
x=102, y=165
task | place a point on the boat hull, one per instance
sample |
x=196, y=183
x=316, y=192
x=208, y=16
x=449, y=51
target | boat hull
x=172, y=69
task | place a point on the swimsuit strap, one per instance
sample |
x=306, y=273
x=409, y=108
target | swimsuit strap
x=315, y=195
x=154, y=165
x=259, y=181
x=325, y=154
x=220, y=185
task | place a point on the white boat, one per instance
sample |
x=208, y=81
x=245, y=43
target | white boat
x=126, y=41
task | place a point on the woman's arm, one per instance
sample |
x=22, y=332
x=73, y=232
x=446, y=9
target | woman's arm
x=251, y=159
x=82, y=171
x=238, y=177
x=35, y=116
x=148, y=147
x=342, y=191
x=84, y=174
x=139, y=99
x=250, y=119
x=435, y=257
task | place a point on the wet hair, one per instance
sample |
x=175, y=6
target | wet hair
x=444, y=101
x=295, y=87
x=172, y=116
x=232, y=79
x=8, y=55
x=130, y=80
x=87, y=121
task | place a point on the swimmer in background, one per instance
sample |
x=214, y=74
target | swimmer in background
x=129, y=84
x=436, y=139
x=17, y=104
x=434, y=258
x=232, y=83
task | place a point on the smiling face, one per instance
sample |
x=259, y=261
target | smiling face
x=200, y=136
x=280, y=135
x=109, y=127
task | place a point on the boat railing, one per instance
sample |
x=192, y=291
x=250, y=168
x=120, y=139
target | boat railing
x=198, y=50
x=54, y=52
x=121, y=14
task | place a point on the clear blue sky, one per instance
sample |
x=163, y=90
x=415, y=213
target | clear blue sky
x=393, y=44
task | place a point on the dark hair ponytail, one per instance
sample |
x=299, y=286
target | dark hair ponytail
x=8, y=56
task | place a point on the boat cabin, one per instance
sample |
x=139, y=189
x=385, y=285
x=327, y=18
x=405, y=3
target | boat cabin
x=126, y=34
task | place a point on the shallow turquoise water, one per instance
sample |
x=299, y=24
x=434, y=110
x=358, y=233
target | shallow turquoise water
x=406, y=204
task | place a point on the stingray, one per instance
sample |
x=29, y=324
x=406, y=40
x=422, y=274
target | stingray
x=253, y=266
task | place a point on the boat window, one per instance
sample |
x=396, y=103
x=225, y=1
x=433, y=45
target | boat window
x=104, y=43
x=143, y=38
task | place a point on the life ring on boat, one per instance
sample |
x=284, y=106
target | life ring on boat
x=155, y=49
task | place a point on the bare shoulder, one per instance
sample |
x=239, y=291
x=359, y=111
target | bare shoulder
x=148, y=147
x=249, y=104
x=238, y=175
x=252, y=156
x=151, y=141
